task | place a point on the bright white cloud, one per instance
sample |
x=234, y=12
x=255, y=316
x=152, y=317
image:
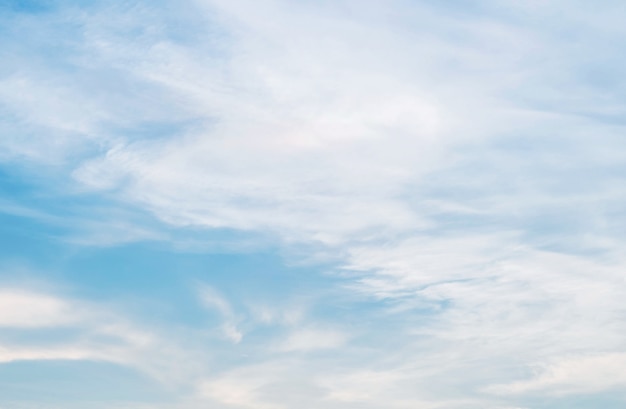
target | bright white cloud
x=23, y=309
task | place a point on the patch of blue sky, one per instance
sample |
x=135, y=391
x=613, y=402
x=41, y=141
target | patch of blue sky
x=26, y=6
x=75, y=384
x=144, y=272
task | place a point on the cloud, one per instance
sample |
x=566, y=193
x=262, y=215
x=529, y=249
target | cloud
x=462, y=167
x=24, y=309
x=310, y=339
x=78, y=330
x=363, y=386
x=572, y=376
x=211, y=299
x=27, y=310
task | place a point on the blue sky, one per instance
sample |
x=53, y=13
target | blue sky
x=312, y=204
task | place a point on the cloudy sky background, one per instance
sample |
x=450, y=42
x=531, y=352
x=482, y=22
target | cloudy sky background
x=312, y=204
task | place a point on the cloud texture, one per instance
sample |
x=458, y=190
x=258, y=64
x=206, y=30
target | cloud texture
x=453, y=172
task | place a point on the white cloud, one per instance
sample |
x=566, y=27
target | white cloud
x=35, y=354
x=311, y=339
x=90, y=332
x=362, y=386
x=235, y=394
x=23, y=309
x=463, y=169
x=211, y=299
x=573, y=376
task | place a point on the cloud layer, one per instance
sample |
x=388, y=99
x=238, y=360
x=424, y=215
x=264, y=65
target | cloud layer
x=454, y=172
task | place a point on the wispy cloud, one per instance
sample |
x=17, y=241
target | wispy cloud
x=574, y=375
x=461, y=166
x=211, y=299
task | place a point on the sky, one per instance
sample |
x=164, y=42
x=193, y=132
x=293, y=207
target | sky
x=312, y=204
